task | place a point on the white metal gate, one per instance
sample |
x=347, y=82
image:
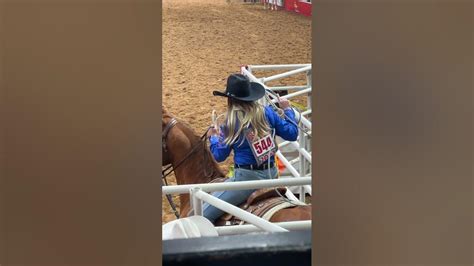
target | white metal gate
x=301, y=165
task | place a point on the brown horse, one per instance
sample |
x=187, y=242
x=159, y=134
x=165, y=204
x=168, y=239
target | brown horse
x=197, y=165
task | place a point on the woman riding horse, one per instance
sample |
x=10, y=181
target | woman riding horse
x=249, y=130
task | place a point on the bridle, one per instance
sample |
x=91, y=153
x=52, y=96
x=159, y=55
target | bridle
x=167, y=129
x=169, y=169
x=164, y=135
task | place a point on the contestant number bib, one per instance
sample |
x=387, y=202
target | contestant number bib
x=262, y=148
x=263, y=145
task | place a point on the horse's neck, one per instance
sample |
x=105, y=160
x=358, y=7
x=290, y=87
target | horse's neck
x=199, y=167
x=193, y=171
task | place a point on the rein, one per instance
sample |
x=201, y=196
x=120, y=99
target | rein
x=169, y=169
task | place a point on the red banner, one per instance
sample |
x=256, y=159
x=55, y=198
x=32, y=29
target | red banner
x=304, y=8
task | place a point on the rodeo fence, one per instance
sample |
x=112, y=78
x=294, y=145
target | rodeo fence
x=198, y=196
x=303, y=145
x=242, y=185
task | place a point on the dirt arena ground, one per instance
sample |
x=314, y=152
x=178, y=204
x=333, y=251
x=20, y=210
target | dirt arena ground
x=206, y=40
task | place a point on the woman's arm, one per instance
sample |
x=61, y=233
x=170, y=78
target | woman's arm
x=285, y=128
x=218, y=148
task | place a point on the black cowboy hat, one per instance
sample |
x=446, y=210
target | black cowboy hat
x=239, y=87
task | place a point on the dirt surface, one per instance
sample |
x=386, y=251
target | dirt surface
x=206, y=40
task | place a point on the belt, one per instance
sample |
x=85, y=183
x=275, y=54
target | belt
x=254, y=166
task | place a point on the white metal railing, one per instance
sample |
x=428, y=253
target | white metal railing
x=297, y=146
x=287, y=164
x=197, y=196
x=308, y=90
x=276, y=67
x=261, y=223
x=294, y=94
x=287, y=74
x=302, y=146
x=283, y=88
x=249, y=228
x=241, y=185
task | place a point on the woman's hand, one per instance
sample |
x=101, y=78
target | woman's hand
x=284, y=103
x=212, y=131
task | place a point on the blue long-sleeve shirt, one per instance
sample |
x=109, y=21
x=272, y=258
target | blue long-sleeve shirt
x=242, y=153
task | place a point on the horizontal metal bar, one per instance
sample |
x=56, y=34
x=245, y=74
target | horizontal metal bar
x=302, y=151
x=288, y=96
x=289, y=176
x=297, y=159
x=294, y=94
x=307, y=112
x=252, y=78
x=236, y=211
x=284, y=143
x=286, y=74
x=277, y=67
x=242, y=185
x=248, y=228
x=284, y=88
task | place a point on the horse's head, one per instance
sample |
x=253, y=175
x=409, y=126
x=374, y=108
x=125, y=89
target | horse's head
x=188, y=153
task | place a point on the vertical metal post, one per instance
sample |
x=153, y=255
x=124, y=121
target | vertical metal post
x=307, y=140
x=309, y=81
x=262, y=100
x=302, y=194
x=196, y=203
x=303, y=164
x=304, y=139
x=308, y=149
x=302, y=159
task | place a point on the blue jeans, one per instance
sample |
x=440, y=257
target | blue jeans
x=237, y=197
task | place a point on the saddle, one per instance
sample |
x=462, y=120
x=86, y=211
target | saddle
x=259, y=203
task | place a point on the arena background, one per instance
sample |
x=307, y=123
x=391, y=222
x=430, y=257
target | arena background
x=206, y=40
